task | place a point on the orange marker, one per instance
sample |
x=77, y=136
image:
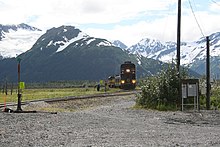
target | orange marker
x=4, y=102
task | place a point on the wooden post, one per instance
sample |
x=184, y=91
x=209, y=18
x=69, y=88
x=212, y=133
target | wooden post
x=178, y=51
x=178, y=35
x=207, y=75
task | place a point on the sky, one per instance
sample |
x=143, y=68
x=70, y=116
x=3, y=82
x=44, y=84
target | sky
x=126, y=20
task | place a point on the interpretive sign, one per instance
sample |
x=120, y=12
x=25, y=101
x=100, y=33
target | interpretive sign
x=192, y=90
x=190, y=93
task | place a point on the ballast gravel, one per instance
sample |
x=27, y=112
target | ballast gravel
x=110, y=122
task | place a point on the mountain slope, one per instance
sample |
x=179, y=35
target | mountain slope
x=193, y=54
x=118, y=43
x=16, y=39
x=166, y=51
x=66, y=53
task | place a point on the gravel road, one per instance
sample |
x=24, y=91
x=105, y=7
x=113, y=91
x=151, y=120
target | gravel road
x=107, y=122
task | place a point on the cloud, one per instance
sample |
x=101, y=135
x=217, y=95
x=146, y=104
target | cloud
x=215, y=7
x=80, y=11
x=126, y=20
x=130, y=34
x=164, y=29
x=93, y=7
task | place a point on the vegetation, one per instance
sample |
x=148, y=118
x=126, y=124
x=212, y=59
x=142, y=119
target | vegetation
x=161, y=92
x=214, y=98
x=36, y=94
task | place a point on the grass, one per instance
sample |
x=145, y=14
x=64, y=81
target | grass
x=37, y=94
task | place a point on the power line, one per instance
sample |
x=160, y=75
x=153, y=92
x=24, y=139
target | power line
x=217, y=3
x=196, y=18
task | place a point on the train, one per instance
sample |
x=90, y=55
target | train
x=127, y=78
x=114, y=81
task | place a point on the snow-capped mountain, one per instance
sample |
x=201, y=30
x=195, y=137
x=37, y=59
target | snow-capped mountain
x=56, y=40
x=16, y=39
x=166, y=51
x=67, y=53
x=118, y=43
x=152, y=48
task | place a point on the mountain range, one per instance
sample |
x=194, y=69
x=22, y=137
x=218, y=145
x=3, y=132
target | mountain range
x=165, y=51
x=16, y=39
x=193, y=54
x=120, y=44
x=66, y=53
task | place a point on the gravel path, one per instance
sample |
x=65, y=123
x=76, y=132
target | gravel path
x=108, y=122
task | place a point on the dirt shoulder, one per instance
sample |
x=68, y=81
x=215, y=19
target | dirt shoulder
x=108, y=122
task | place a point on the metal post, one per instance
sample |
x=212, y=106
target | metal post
x=19, y=91
x=207, y=75
x=198, y=101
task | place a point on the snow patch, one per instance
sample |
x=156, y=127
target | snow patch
x=139, y=61
x=50, y=43
x=17, y=42
x=105, y=43
x=68, y=42
x=89, y=41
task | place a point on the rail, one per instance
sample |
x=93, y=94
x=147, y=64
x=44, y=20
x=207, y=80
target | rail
x=50, y=100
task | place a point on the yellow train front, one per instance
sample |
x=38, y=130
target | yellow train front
x=114, y=81
x=128, y=76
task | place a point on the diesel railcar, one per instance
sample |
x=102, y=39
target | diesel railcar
x=128, y=75
x=114, y=81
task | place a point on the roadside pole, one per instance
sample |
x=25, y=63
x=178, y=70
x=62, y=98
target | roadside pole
x=178, y=51
x=207, y=75
x=19, y=90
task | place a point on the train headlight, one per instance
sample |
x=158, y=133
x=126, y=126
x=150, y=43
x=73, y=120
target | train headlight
x=133, y=81
x=128, y=70
x=122, y=81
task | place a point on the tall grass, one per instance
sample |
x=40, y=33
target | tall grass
x=36, y=94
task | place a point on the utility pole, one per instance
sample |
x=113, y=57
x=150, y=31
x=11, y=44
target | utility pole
x=178, y=36
x=208, y=86
x=178, y=51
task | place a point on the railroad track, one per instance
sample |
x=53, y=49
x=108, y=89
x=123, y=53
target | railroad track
x=50, y=100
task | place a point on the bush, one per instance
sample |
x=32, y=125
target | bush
x=160, y=92
x=202, y=101
x=215, y=98
x=149, y=94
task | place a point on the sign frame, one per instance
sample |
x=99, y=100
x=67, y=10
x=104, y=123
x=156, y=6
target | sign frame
x=190, y=89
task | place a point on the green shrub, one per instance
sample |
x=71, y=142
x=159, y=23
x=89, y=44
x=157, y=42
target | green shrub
x=202, y=101
x=160, y=92
x=215, y=98
x=149, y=94
x=162, y=107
